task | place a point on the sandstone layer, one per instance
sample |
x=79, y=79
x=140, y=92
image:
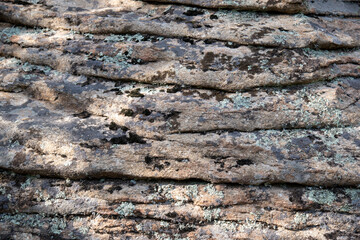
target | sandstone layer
x=177, y=119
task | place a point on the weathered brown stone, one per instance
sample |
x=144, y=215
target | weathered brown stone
x=196, y=209
x=247, y=28
x=331, y=7
x=150, y=133
x=174, y=61
x=177, y=119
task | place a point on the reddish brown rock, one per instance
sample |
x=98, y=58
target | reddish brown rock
x=175, y=119
x=332, y=7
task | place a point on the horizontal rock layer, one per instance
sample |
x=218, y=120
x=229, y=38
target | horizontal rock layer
x=101, y=209
x=245, y=28
x=176, y=119
x=151, y=59
x=157, y=132
x=330, y=7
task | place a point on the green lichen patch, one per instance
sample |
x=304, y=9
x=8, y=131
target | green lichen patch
x=231, y=3
x=237, y=100
x=321, y=196
x=280, y=39
x=300, y=218
x=27, y=67
x=241, y=101
x=211, y=214
x=23, y=219
x=89, y=36
x=249, y=224
x=354, y=195
x=210, y=188
x=132, y=38
x=34, y=1
x=7, y=33
x=228, y=226
x=125, y=209
x=323, y=106
x=56, y=225
x=192, y=191
x=122, y=58
x=27, y=183
x=121, y=38
x=237, y=16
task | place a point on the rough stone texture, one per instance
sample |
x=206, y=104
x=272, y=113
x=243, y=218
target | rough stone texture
x=142, y=120
x=328, y=7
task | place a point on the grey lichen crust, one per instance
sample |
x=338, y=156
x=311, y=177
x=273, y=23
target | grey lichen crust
x=179, y=119
x=94, y=208
x=125, y=209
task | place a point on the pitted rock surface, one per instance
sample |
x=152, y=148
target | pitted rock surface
x=179, y=119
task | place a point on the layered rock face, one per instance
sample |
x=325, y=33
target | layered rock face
x=179, y=119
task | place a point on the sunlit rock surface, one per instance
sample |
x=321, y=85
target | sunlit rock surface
x=179, y=119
